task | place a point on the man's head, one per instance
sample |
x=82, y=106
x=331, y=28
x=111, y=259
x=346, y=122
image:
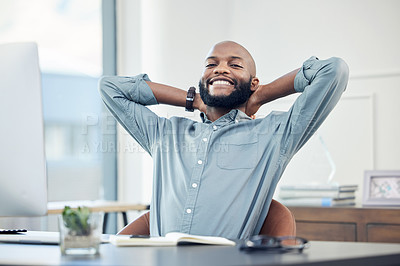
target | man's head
x=229, y=76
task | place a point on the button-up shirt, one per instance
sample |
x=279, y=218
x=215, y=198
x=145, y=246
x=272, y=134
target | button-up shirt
x=218, y=178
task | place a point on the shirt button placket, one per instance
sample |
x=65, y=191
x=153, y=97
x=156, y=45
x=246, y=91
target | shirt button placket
x=195, y=182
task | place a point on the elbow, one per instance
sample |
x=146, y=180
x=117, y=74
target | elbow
x=339, y=71
x=341, y=67
x=104, y=83
x=107, y=87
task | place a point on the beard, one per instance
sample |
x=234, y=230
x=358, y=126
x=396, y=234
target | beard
x=240, y=94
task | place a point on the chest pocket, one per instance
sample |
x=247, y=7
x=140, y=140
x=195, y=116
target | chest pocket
x=238, y=153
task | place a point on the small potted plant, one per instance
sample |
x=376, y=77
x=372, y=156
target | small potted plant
x=80, y=231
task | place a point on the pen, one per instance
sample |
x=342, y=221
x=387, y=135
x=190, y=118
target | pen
x=139, y=236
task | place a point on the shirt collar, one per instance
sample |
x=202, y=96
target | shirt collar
x=233, y=115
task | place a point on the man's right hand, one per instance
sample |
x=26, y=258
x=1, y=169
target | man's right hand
x=199, y=104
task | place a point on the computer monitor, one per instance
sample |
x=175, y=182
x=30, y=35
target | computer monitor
x=23, y=179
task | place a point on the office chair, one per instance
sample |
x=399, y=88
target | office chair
x=279, y=222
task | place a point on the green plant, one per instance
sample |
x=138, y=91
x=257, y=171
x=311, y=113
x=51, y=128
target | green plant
x=77, y=220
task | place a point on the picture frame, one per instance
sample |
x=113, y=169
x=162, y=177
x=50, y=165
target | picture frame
x=381, y=188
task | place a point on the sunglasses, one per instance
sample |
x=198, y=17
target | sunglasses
x=274, y=244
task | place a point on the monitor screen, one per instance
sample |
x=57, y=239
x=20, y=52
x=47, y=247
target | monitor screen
x=23, y=179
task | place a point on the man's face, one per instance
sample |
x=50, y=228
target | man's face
x=227, y=79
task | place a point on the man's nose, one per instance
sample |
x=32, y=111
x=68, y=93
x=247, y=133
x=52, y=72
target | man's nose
x=221, y=69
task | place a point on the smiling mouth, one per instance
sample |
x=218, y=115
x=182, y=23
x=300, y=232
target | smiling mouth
x=221, y=82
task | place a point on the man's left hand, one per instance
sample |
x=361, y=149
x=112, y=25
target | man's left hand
x=253, y=104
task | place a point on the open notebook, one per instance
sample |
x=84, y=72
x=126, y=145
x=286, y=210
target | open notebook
x=170, y=239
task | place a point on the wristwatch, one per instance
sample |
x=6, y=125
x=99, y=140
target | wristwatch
x=190, y=99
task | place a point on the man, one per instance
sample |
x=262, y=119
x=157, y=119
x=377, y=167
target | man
x=217, y=177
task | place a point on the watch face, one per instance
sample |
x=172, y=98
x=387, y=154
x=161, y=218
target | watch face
x=385, y=187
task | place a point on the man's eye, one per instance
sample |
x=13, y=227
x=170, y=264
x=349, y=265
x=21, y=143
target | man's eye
x=210, y=65
x=236, y=65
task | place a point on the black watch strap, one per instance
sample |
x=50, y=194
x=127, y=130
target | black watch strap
x=190, y=99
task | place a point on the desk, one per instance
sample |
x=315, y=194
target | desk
x=319, y=253
x=57, y=207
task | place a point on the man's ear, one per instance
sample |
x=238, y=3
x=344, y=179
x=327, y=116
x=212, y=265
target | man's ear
x=254, y=84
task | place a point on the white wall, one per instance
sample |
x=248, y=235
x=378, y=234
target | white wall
x=169, y=40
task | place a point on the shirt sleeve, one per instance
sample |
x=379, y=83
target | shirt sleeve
x=321, y=83
x=126, y=98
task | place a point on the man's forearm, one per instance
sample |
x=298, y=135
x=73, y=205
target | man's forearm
x=173, y=96
x=280, y=87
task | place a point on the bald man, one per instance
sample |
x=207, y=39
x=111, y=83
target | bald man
x=217, y=177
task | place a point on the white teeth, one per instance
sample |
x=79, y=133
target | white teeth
x=221, y=82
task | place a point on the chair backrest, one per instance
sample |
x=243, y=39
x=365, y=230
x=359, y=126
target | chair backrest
x=140, y=226
x=279, y=222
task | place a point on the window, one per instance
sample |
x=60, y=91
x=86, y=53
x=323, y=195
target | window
x=79, y=134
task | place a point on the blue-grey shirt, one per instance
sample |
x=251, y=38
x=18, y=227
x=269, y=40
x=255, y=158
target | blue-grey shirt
x=218, y=178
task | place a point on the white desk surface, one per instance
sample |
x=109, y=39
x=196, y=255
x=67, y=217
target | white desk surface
x=320, y=253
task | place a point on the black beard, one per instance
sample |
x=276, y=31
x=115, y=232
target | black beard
x=240, y=94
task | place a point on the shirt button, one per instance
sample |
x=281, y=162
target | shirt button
x=215, y=127
x=199, y=162
x=205, y=139
x=194, y=185
x=188, y=211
